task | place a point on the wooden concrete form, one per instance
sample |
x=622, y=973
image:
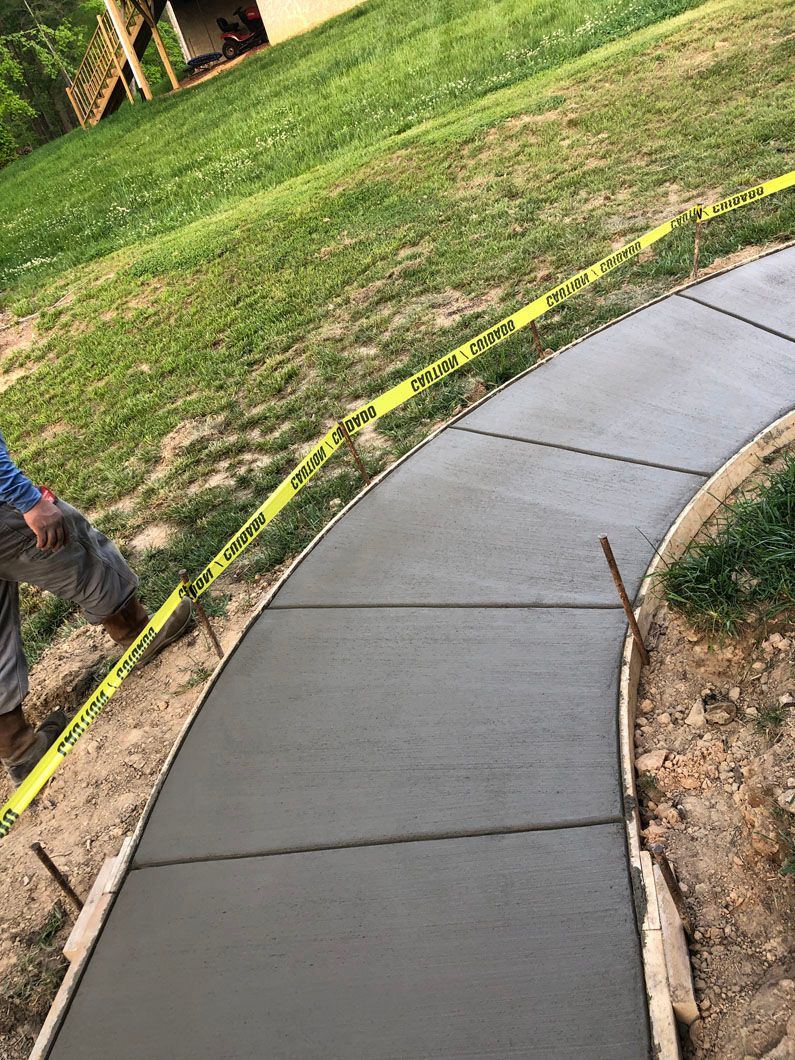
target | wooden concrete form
x=677, y=956
x=81, y=941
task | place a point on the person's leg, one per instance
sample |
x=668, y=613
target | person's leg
x=20, y=746
x=13, y=666
x=89, y=571
x=92, y=573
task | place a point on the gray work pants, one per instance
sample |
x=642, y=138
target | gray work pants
x=89, y=571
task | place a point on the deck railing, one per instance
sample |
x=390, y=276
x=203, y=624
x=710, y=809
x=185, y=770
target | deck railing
x=102, y=66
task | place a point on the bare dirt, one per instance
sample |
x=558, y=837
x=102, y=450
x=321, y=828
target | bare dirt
x=96, y=797
x=717, y=722
x=16, y=334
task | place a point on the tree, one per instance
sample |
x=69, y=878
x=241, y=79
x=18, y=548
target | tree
x=16, y=114
x=39, y=41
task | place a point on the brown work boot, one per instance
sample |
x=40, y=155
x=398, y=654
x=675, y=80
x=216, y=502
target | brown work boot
x=21, y=747
x=131, y=619
x=125, y=625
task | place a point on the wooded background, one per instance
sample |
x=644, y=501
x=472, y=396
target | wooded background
x=39, y=40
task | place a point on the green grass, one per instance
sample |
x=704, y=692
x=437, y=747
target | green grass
x=375, y=71
x=745, y=568
x=769, y=720
x=250, y=311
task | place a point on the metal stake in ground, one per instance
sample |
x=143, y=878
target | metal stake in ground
x=355, y=453
x=205, y=621
x=537, y=339
x=622, y=593
x=697, y=245
x=57, y=875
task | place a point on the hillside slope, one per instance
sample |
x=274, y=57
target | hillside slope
x=174, y=382
x=384, y=67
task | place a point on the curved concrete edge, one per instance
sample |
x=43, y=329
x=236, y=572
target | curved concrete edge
x=700, y=509
x=663, y=1026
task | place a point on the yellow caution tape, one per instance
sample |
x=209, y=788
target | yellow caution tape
x=91, y=709
x=320, y=455
x=750, y=195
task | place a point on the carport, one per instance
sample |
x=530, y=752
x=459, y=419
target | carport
x=194, y=21
x=195, y=24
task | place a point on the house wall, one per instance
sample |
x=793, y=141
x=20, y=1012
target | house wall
x=288, y=18
x=283, y=18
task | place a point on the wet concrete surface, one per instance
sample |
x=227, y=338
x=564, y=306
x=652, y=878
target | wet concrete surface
x=760, y=292
x=394, y=829
x=419, y=721
x=500, y=945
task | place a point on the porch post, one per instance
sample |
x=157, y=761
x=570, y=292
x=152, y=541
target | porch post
x=183, y=44
x=128, y=46
x=148, y=16
x=164, y=57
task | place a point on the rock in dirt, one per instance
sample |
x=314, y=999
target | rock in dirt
x=696, y=717
x=721, y=713
x=650, y=762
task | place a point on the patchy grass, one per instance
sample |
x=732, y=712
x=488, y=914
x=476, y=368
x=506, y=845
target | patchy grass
x=746, y=568
x=177, y=379
x=770, y=719
x=31, y=984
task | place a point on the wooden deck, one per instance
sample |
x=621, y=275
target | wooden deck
x=111, y=71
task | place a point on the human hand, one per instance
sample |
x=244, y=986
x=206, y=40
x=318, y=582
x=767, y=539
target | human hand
x=46, y=521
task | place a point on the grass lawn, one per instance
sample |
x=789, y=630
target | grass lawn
x=381, y=68
x=745, y=569
x=305, y=230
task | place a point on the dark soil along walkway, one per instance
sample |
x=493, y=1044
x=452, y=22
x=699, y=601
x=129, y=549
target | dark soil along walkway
x=395, y=828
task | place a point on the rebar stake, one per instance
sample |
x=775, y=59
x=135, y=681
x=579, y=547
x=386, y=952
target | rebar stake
x=355, y=452
x=57, y=875
x=205, y=621
x=622, y=592
x=697, y=245
x=537, y=338
x=658, y=853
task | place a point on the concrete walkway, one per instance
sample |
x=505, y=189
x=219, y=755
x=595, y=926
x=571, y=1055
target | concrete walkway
x=396, y=827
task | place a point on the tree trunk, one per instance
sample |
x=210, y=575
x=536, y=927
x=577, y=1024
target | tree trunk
x=65, y=114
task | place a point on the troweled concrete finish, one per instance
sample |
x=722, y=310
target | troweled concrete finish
x=760, y=292
x=620, y=393
x=395, y=829
x=419, y=721
x=489, y=946
x=484, y=504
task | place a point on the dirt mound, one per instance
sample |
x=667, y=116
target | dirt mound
x=720, y=796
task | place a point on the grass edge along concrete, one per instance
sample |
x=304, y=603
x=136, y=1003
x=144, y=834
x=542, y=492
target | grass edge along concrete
x=334, y=439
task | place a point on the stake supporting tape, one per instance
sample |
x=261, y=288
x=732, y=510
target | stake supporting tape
x=319, y=456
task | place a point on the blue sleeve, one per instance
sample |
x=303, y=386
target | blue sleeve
x=15, y=488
